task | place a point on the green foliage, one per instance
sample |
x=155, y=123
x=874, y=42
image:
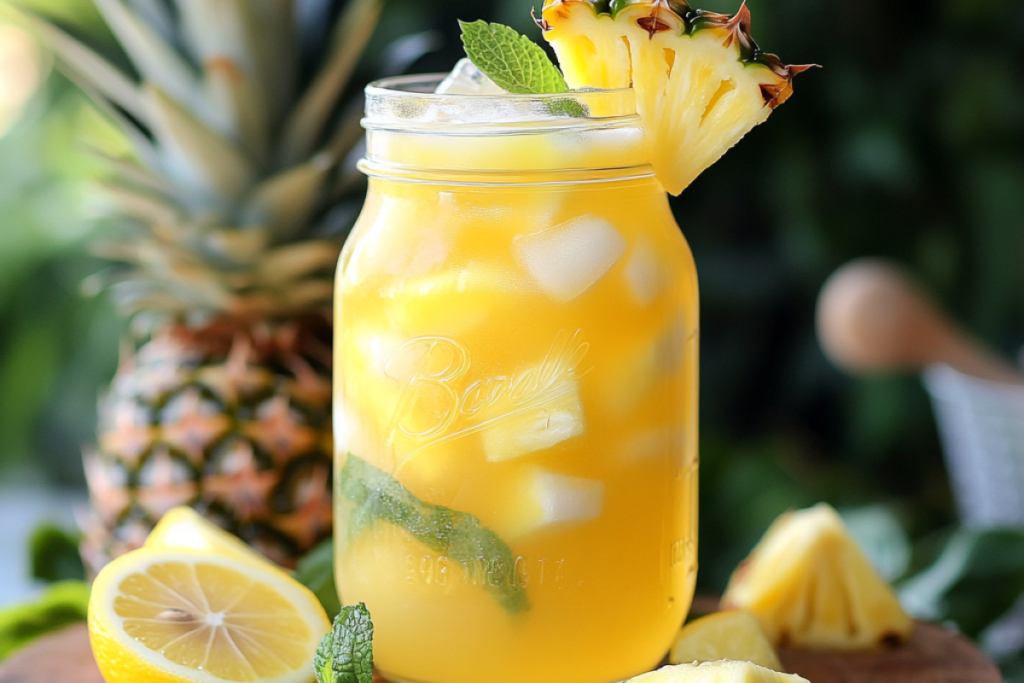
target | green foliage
x=973, y=582
x=62, y=604
x=316, y=572
x=53, y=553
x=56, y=347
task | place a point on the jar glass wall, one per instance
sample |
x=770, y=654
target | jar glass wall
x=515, y=394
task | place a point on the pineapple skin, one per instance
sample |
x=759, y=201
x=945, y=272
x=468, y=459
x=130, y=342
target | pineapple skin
x=701, y=81
x=233, y=420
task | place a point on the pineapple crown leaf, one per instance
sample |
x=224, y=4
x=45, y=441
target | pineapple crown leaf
x=351, y=33
x=235, y=149
x=156, y=59
x=205, y=161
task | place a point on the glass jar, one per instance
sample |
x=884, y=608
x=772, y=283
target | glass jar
x=515, y=391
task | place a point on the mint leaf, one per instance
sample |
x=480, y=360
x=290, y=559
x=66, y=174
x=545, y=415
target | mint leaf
x=352, y=649
x=323, y=658
x=376, y=495
x=345, y=655
x=510, y=59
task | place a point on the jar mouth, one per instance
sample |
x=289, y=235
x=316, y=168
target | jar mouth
x=410, y=103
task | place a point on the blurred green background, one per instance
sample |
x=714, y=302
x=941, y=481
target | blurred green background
x=908, y=144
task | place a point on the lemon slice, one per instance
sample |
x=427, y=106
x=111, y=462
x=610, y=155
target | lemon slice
x=174, y=615
x=732, y=634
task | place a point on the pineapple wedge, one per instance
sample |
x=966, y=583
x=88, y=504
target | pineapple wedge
x=811, y=586
x=717, y=672
x=731, y=634
x=701, y=81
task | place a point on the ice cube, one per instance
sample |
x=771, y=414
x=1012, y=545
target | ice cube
x=540, y=499
x=567, y=259
x=567, y=499
x=643, y=273
x=466, y=79
x=652, y=443
x=555, y=416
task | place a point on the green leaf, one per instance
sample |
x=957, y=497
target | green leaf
x=323, y=658
x=510, y=59
x=376, y=495
x=308, y=120
x=316, y=572
x=62, y=604
x=54, y=555
x=974, y=581
x=352, y=646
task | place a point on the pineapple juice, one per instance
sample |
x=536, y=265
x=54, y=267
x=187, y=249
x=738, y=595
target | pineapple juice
x=515, y=393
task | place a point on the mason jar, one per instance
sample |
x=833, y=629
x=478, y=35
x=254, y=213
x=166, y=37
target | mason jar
x=515, y=391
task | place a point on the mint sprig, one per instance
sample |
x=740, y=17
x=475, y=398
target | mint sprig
x=345, y=655
x=510, y=59
x=374, y=495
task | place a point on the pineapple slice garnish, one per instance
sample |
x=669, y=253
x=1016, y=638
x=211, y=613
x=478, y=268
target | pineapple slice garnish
x=701, y=81
x=811, y=586
x=717, y=672
x=730, y=634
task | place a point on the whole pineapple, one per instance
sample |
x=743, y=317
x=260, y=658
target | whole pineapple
x=224, y=402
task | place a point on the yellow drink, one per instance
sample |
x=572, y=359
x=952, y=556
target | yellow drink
x=515, y=396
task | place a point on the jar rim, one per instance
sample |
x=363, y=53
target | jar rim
x=409, y=103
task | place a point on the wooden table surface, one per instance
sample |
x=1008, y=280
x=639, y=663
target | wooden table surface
x=934, y=655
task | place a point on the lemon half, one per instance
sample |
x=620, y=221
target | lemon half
x=168, y=615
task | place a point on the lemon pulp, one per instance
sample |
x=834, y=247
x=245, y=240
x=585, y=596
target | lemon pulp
x=177, y=616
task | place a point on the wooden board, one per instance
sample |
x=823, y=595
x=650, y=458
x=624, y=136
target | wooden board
x=934, y=655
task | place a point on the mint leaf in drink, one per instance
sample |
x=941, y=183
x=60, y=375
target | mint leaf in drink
x=345, y=655
x=510, y=59
x=374, y=495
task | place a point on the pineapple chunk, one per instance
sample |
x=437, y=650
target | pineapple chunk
x=701, y=82
x=717, y=672
x=536, y=427
x=732, y=634
x=812, y=587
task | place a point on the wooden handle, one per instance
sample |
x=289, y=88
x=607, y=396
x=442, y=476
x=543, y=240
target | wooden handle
x=873, y=318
